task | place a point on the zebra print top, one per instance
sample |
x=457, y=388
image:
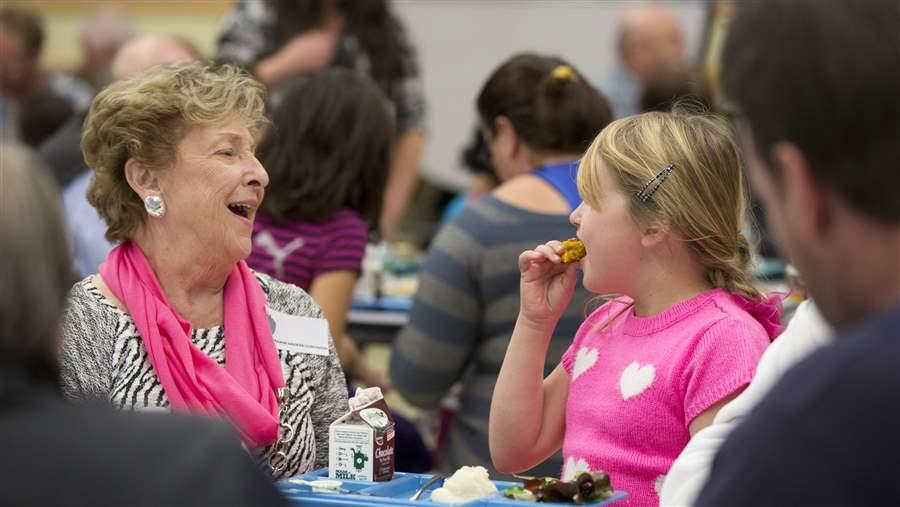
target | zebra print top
x=104, y=357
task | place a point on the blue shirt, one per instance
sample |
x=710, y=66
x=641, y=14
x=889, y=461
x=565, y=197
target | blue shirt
x=563, y=177
x=623, y=93
x=85, y=227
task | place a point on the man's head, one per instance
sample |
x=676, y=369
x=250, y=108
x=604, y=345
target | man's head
x=650, y=36
x=815, y=82
x=101, y=35
x=141, y=53
x=21, y=40
x=35, y=267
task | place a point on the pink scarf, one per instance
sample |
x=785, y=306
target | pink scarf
x=244, y=390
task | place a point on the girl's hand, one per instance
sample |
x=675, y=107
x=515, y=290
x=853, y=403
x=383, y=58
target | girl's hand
x=546, y=285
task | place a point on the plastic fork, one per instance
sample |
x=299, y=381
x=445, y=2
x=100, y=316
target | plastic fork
x=418, y=494
x=322, y=485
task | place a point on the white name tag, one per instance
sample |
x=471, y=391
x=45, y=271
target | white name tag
x=299, y=334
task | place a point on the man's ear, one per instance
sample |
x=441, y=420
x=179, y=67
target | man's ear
x=141, y=179
x=805, y=201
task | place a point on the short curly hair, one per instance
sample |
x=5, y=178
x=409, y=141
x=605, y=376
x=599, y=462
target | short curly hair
x=146, y=116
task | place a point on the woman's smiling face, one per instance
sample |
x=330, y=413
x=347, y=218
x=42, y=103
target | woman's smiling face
x=213, y=188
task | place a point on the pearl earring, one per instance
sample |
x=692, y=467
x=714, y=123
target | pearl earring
x=154, y=205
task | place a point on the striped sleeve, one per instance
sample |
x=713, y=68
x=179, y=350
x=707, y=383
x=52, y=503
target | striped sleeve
x=430, y=354
x=344, y=247
x=86, y=358
x=248, y=34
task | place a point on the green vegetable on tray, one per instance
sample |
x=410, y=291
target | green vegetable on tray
x=519, y=493
x=587, y=487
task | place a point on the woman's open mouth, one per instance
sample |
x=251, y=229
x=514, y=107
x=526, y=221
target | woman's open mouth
x=241, y=210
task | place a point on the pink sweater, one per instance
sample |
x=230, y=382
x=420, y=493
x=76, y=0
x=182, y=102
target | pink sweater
x=636, y=385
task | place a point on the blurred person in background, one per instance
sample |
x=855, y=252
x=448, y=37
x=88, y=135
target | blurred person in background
x=327, y=152
x=669, y=84
x=815, y=85
x=476, y=158
x=278, y=39
x=86, y=229
x=649, y=36
x=146, y=51
x=62, y=151
x=22, y=75
x=42, y=115
x=100, y=37
x=175, y=320
x=538, y=115
x=90, y=453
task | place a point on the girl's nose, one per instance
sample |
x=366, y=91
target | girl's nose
x=575, y=216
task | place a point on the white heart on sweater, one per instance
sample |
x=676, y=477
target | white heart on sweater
x=573, y=468
x=585, y=359
x=636, y=379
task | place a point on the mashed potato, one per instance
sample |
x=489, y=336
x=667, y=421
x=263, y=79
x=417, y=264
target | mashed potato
x=465, y=485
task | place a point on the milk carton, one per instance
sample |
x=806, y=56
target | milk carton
x=361, y=442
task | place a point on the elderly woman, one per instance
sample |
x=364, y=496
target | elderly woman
x=43, y=436
x=176, y=320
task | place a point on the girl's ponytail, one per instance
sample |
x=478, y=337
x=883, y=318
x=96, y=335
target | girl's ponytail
x=731, y=273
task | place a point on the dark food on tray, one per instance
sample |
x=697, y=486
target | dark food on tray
x=587, y=487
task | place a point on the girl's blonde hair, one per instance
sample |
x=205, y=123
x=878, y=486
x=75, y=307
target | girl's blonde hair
x=704, y=197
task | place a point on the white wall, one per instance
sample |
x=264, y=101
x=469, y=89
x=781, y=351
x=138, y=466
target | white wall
x=461, y=41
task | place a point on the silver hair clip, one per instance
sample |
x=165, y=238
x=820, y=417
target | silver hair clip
x=655, y=182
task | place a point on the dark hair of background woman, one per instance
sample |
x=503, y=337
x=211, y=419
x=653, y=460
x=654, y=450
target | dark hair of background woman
x=328, y=147
x=552, y=114
x=372, y=22
x=476, y=156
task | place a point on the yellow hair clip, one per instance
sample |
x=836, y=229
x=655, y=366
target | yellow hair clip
x=564, y=73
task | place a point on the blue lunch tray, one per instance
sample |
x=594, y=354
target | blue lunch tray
x=395, y=492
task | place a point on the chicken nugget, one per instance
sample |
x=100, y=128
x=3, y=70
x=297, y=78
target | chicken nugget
x=573, y=250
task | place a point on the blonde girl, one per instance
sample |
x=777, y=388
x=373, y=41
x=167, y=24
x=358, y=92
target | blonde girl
x=664, y=205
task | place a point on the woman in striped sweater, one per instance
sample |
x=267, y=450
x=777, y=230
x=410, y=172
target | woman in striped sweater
x=538, y=115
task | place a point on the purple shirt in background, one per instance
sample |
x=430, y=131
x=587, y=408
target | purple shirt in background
x=298, y=252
